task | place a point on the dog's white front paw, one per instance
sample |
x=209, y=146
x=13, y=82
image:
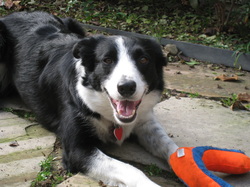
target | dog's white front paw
x=116, y=173
x=138, y=180
x=112, y=184
x=147, y=183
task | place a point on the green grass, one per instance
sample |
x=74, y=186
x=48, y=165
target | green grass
x=247, y=106
x=48, y=176
x=21, y=113
x=229, y=100
x=194, y=95
x=168, y=19
x=153, y=170
x=46, y=171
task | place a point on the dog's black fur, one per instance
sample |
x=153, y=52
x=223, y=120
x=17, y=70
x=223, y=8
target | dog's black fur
x=40, y=52
x=41, y=62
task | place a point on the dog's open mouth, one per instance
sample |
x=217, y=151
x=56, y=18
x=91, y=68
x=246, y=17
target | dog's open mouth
x=125, y=110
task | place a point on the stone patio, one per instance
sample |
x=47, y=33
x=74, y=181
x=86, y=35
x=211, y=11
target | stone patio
x=190, y=122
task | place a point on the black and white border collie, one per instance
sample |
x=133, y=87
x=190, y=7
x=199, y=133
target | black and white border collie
x=89, y=90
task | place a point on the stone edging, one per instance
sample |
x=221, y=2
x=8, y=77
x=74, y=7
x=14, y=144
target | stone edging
x=199, y=52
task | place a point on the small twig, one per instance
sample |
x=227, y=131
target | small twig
x=230, y=11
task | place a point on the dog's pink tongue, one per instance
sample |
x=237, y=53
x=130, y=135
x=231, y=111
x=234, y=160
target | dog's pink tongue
x=126, y=108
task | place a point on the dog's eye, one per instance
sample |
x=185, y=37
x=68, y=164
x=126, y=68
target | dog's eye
x=108, y=60
x=143, y=60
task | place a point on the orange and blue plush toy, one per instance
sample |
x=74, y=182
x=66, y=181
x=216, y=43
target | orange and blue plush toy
x=192, y=165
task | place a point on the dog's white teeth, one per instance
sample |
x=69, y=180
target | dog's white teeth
x=120, y=112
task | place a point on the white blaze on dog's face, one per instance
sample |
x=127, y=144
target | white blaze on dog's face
x=125, y=85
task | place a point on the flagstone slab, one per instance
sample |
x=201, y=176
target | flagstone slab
x=23, y=145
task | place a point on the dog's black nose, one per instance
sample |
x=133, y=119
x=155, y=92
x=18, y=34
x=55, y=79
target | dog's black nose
x=126, y=88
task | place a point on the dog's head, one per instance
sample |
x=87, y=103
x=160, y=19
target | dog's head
x=119, y=72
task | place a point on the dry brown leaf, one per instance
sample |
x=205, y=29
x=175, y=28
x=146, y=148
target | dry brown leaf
x=14, y=144
x=237, y=105
x=16, y=3
x=245, y=97
x=219, y=86
x=227, y=78
x=183, y=95
x=8, y=4
x=177, y=97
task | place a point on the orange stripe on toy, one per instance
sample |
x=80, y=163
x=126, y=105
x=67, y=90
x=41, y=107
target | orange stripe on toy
x=188, y=171
x=226, y=161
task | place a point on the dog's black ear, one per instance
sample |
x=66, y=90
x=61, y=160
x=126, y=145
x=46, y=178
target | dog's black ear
x=85, y=50
x=84, y=47
x=77, y=49
x=74, y=26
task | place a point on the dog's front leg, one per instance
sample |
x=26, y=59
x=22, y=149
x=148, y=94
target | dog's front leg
x=154, y=138
x=82, y=155
x=116, y=173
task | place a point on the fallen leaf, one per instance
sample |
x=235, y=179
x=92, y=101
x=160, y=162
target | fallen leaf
x=177, y=73
x=243, y=97
x=17, y=5
x=16, y=2
x=183, y=95
x=240, y=74
x=219, y=86
x=14, y=144
x=227, y=78
x=177, y=97
x=174, y=92
x=237, y=105
x=192, y=63
x=8, y=4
